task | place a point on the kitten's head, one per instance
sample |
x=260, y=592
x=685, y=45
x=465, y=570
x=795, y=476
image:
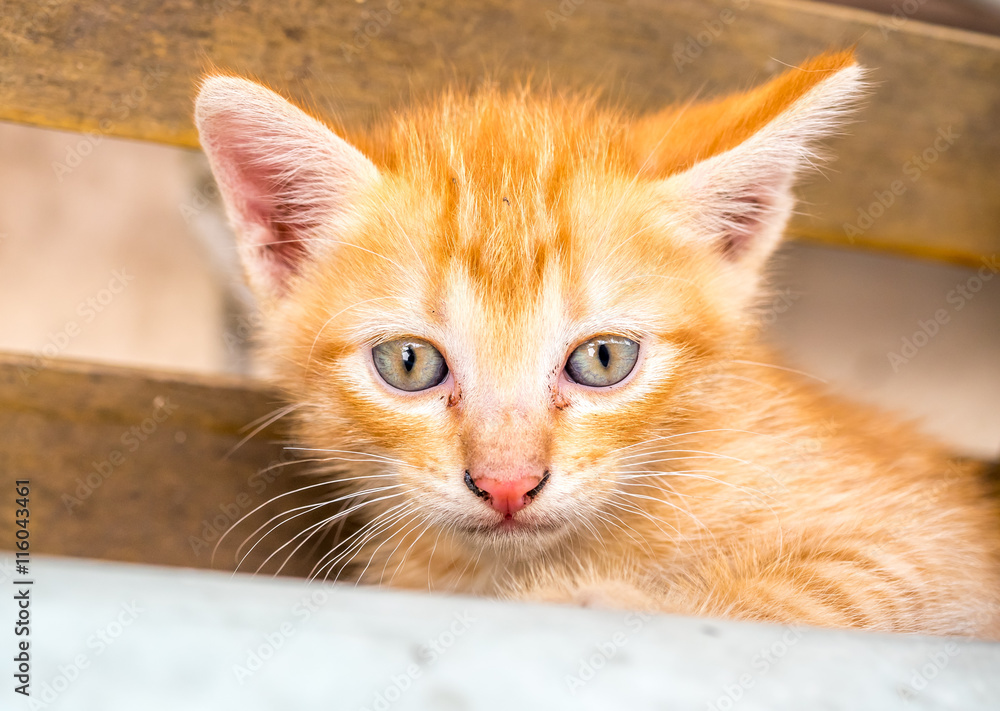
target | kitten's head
x=492, y=297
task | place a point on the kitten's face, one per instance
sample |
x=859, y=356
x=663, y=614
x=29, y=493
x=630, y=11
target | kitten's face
x=488, y=307
x=497, y=296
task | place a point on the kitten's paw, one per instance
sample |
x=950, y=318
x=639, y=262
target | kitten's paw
x=600, y=594
x=612, y=595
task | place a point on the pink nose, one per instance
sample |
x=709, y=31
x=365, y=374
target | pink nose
x=507, y=496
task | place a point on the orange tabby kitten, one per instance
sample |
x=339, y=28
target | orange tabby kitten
x=520, y=331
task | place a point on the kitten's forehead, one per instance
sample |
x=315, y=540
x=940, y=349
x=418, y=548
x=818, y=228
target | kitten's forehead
x=505, y=327
x=502, y=171
x=511, y=248
x=507, y=237
x=519, y=291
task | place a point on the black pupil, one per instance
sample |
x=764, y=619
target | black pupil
x=409, y=357
x=604, y=354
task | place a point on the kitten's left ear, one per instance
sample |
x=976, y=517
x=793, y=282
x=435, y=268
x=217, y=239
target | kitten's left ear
x=739, y=199
x=289, y=183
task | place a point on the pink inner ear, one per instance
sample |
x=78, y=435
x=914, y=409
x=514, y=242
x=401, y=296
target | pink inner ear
x=282, y=232
x=269, y=210
x=742, y=223
x=287, y=179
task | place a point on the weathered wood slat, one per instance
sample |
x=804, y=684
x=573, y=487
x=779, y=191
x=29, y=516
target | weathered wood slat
x=148, y=467
x=918, y=174
x=135, y=466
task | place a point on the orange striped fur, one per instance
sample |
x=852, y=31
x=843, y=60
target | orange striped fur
x=507, y=228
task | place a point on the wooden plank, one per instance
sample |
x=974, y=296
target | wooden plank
x=975, y=15
x=130, y=69
x=133, y=465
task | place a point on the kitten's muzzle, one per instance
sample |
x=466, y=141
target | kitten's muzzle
x=507, y=496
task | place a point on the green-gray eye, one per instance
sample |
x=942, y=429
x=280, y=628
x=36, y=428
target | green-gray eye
x=602, y=361
x=410, y=364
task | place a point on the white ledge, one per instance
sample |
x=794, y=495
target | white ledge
x=109, y=636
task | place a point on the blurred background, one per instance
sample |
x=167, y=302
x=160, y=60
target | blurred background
x=142, y=219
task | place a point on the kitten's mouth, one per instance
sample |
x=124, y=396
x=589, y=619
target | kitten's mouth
x=513, y=526
x=509, y=523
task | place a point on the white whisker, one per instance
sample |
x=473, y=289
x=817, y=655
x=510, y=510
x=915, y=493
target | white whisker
x=365, y=456
x=780, y=367
x=309, y=508
x=268, y=420
x=356, y=536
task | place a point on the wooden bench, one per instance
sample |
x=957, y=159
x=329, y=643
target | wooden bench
x=147, y=467
x=918, y=175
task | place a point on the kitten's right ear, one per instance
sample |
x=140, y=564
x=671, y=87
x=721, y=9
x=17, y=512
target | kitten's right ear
x=725, y=169
x=288, y=182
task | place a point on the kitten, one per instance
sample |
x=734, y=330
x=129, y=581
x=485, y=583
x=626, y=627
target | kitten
x=520, y=330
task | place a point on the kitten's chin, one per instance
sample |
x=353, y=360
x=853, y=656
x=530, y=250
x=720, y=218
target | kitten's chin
x=512, y=534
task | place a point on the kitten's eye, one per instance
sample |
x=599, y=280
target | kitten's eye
x=602, y=361
x=410, y=364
